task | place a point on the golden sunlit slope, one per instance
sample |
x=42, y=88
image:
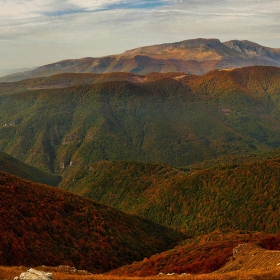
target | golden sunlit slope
x=208, y=253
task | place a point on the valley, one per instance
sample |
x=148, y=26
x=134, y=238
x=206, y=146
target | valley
x=161, y=162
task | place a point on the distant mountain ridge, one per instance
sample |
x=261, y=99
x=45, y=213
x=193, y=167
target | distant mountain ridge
x=196, y=56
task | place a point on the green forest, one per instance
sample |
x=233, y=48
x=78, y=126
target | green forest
x=66, y=120
x=139, y=174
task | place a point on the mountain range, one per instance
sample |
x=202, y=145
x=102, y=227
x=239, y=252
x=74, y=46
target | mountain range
x=167, y=145
x=196, y=56
x=61, y=122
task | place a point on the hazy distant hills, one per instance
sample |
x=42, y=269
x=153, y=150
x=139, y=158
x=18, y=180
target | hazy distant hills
x=196, y=56
x=45, y=225
x=69, y=120
x=5, y=72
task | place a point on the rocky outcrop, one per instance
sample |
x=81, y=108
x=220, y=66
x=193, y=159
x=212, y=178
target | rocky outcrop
x=33, y=274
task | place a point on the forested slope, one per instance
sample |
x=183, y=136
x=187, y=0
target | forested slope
x=237, y=196
x=68, y=120
x=13, y=166
x=42, y=225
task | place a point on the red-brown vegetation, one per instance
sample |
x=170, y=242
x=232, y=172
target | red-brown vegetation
x=44, y=225
x=201, y=255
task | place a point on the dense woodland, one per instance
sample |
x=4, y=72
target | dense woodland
x=239, y=196
x=45, y=225
x=62, y=121
x=13, y=166
x=198, y=154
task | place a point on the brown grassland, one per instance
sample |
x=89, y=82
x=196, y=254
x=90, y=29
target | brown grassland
x=8, y=273
x=249, y=262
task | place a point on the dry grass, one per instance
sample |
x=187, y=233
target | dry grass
x=8, y=273
x=248, y=263
x=248, y=257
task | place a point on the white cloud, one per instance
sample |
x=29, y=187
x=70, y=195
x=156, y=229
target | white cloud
x=96, y=5
x=32, y=8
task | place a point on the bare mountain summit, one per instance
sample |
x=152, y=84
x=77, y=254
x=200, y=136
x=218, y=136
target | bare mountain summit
x=196, y=56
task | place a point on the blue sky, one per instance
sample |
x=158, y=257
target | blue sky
x=110, y=5
x=38, y=32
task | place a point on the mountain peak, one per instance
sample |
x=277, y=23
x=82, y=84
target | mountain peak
x=194, y=56
x=200, y=41
x=252, y=49
x=166, y=48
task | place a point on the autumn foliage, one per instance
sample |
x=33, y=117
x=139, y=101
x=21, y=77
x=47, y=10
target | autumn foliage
x=200, y=255
x=240, y=195
x=44, y=225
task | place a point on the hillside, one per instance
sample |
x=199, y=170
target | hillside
x=69, y=120
x=196, y=56
x=13, y=166
x=241, y=255
x=248, y=257
x=194, y=200
x=216, y=252
x=45, y=225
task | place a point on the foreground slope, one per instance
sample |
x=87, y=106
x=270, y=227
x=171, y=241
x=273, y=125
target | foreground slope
x=13, y=166
x=68, y=120
x=44, y=225
x=239, y=255
x=196, y=56
x=7, y=273
x=197, y=201
x=217, y=251
x=249, y=256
